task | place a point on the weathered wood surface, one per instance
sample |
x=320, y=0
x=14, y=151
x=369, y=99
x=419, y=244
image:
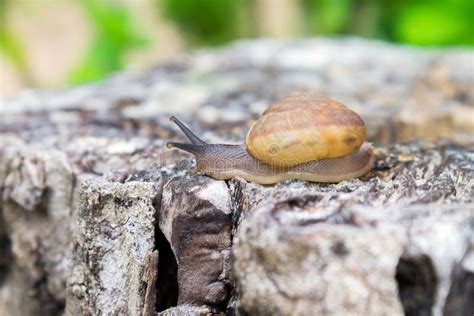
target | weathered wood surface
x=97, y=217
x=114, y=262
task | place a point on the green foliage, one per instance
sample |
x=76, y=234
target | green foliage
x=420, y=22
x=10, y=45
x=441, y=22
x=114, y=35
x=208, y=22
x=326, y=16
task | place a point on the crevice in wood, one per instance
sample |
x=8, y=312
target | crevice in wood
x=5, y=249
x=417, y=285
x=167, y=281
x=459, y=300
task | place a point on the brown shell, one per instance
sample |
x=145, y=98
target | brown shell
x=305, y=128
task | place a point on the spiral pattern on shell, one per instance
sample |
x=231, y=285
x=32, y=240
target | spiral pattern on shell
x=305, y=128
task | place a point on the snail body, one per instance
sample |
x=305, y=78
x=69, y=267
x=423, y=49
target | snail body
x=302, y=137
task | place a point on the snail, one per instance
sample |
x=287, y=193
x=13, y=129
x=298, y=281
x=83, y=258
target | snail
x=301, y=137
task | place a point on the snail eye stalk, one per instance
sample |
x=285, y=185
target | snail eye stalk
x=189, y=134
x=191, y=148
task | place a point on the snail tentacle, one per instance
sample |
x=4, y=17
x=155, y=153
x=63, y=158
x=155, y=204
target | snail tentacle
x=189, y=134
x=191, y=148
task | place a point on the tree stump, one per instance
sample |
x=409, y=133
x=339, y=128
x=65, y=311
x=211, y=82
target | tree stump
x=97, y=217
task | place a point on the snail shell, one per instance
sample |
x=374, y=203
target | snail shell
x=302, y=137
x=304, y=128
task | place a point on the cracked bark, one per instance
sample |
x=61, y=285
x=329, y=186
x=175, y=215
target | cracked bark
x=114, y=260
x=195, y=217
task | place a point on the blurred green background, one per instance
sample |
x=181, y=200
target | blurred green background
x=53, y=43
